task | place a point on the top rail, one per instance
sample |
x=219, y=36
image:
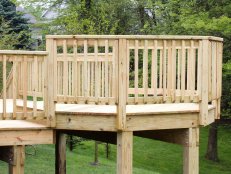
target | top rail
x=167, y=37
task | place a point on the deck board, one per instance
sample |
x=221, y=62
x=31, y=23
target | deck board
x=83, y=109
x=20, y=125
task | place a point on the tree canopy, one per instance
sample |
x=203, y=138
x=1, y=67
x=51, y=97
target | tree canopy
x=14, y=30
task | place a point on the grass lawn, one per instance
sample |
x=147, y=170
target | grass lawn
x=150, y=157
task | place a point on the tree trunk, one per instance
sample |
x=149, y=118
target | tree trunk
x=212, y=153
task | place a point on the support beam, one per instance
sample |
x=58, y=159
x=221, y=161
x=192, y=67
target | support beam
x=124, y=152
x=175, y=136
x=191, y=152
x=19, y=156
x=60, y=153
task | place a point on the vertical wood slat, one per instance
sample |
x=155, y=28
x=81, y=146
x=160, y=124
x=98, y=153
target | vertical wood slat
x=35, y=85
x=192, y=71
x=25, y=83
x=210, y=71
x=179, y=69
x=154, y=68
x=164, y=69
x=169, y=71
x=136, y=70
x=128, y=64
x=65, y=71
x=145, y=71
x=183, y=59
x=4, y=86
x=115, y=70
x=85, y=70
x=106, y=72
x=214, y=70
x=122, y=85
x=173, y=72
x=75, y=85
x=15, y=75
x=199, y=69
x=55, y=69
x=161, y=69
x=204, y=88
x=97, y=72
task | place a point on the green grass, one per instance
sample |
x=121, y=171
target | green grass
x=150, y=157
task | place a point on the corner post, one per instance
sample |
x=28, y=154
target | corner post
x=191, y=152
x=122, y=85
x=49, y=84
x=204, y=83
x=124, y=152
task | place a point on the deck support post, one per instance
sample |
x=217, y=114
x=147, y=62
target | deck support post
x=60, y=153
x=191, y=152
x=124, y=152
x=17, y=167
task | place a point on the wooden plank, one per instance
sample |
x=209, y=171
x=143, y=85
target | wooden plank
x=175, y=136
x=173, y=92
x=124, y=152
x=183, y=59
x=35, y=85
x=115, y=78
x=75, y=84
x=161, y=121
x=164, y=69
x=85, y=86
x=169, y=71
x=65, y=71
x=4, y=85
x=154, y=68
x=191, y=152
x=214, y=70
x=204, y=87
x=49, y=93
x=122, y=85
x=199, y=70
x=26, y=137
x=60, y=154
x=106, y=71
x=86, y=122
x=136, y=70
x=55, y=69
x=145, y=70
x=19, y=155
x=25, y=83
x=97, y=72
x=209, y=71
x=15, y=75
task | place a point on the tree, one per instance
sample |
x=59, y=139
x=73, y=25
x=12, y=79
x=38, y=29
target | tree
x=15, y=23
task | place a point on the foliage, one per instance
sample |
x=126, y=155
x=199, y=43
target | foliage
x=14, y=28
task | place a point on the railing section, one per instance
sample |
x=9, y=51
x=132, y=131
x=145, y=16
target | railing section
x=124, y=70
x=22, y=85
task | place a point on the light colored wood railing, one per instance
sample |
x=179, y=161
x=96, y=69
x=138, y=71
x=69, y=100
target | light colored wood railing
x=125, y=70
x=22, y=84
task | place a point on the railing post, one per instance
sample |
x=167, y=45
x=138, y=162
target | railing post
x=49, y=84
x=122, y=84
x=204, y=83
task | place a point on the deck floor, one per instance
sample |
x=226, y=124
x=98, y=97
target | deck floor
x=89, y=109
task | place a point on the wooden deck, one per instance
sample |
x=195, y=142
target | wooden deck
x=158, y=87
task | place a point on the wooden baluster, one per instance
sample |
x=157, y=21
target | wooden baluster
x=65, y=71
x=106, y=72
x=25, y=84
x=4, y=86
x=136, y=71
x=183, y=69
x=35, y=85
x=164, y=69
x=145, y=71
x=15, y=89
x=173, y=73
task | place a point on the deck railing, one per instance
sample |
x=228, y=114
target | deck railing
x=120, y=70
x=22, y=84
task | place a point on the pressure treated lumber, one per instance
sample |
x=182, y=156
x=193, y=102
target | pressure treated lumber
x=60, y=153
x=19, y=155
x=124, y=152
x=191, y=152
